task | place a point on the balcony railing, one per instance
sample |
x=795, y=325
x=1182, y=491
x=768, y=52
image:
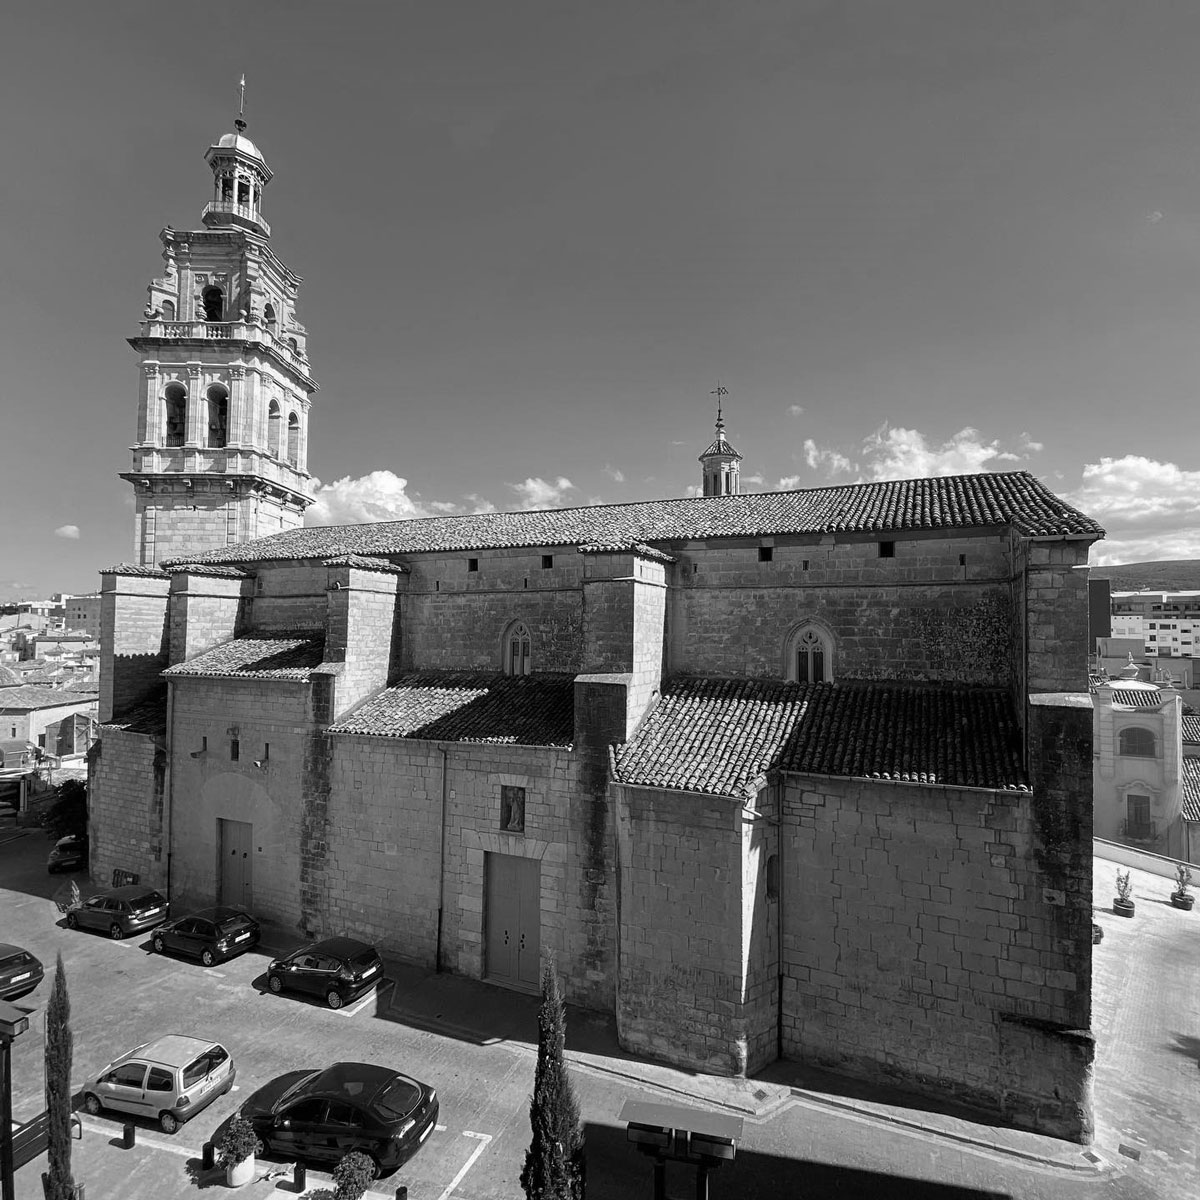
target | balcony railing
x=195, y=460
x=241, y=331
x=238, y=210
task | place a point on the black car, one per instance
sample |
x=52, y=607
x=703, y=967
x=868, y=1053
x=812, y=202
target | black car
x=120, y=911
x=20, y=972
x=350, y=1106
x=70, y=853
x=210, y=935
x=338, y=969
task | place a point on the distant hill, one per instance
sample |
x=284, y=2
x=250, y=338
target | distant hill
x=1173, y=575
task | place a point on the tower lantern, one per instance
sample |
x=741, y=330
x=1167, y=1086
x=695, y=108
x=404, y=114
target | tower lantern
x=721, y=462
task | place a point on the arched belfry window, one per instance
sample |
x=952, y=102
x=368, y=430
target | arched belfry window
x=175, y=405
x=168, y=310
x=1136, y=742
x=269, y=316
x=218, y=415
x=213, y=300
x=518, y=659
x=273, y=429
x=293, y=447
x=809, y=656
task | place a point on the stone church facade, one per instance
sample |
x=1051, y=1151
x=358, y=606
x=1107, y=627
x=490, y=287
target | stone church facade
x=803, y=774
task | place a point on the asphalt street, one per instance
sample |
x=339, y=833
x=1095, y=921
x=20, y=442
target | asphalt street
x=478, y=1049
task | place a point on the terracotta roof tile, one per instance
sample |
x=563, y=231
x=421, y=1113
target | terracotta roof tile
x=30, y=696
x=134, y=569
x=455, y=706
x=1191, y=730
x=221, y=572
x=638, y=548
x=947, y=502
x=1137, y=697
x=721, y=445
x=723, y=736
x=1190, y=779
x=364, y=562
x=261, y=656
x=148, y=716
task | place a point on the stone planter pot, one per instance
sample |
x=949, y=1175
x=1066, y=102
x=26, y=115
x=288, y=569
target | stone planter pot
x=239, y=1174
x=1183, y=900
x=1123, y=908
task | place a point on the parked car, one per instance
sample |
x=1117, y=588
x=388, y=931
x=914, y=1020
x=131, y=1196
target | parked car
x=169, y=1080
x=120, y=911
x=70, y=853
x=338, y=969
x=212, y=934
x=20, y=972
x=349, y=1106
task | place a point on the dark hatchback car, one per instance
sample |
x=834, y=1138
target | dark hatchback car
x=349, y=1106
x=121, y=911
x=20, y=972
x=212, y=934
x=70, y=853
x=338, y=970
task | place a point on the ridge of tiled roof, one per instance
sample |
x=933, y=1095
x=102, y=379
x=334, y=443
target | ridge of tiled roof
x=1190, y=779
x=722, y=445
x=1191, y=729
x=214, y=569
x=638, y=548
x=1013, y=498
x=135, y=569
x=260, y=655
x=29, y=695
x=464, y=706
x=722, y=736
x=148, y=716
x=364, y=562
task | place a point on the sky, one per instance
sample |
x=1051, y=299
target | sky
x=928, y=237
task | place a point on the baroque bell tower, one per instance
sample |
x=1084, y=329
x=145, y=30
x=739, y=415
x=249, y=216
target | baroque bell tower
x=222, y=434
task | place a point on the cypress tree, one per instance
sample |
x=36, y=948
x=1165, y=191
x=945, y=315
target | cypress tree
x=59, y=1045
x=554, y=1163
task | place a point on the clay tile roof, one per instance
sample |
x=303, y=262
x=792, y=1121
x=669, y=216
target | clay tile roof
x=722, y=445
x=148, y=716
x=364, y=562
x=29, y=696
x=1191, y=729
x=722, y=736
x=1137, y=697
x=222, y=572
x=290, y=655
x=638, y=548
x=1191, y=787
x=135, y=569
x=1013, y=499
x=9, y=677
x=456, y=706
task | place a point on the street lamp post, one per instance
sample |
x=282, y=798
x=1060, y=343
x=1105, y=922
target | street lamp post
x=13, y=1023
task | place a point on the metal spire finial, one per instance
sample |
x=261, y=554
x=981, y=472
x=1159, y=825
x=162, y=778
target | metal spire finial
x=721, y=391
x=240, y=123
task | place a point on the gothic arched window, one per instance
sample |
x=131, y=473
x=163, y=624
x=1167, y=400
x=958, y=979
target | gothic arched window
x=517, y=654
x=175, y=404
x=218, y=415
x=213, y=300
x=809, y=656
x=1136, y=742
x=293, y=446
x=273, y=429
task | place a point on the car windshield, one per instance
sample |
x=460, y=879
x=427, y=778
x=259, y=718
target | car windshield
x=149, y=900
x=233, y=923
x=399, y=1098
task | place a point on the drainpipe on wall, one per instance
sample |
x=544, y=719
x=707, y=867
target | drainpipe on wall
x=782, y=874
x=167, y=805
x=437, y=953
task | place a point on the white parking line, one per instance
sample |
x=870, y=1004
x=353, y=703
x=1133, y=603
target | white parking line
x=484, y=1138
x=143, y=1135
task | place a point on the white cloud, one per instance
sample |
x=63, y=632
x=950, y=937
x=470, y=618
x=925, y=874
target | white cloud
x=1029, y=445
x=756, y=479
x=898, y=453
x=70, y=532
x=693, y=489
x=789, y=483
x=1148, y=508
x=796, y=410
x=377, y=496
x=617, y=476
x=829, y=460
x=541, y=493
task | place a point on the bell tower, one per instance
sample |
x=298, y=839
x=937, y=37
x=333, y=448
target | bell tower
x=721, y=462
x=222, y=434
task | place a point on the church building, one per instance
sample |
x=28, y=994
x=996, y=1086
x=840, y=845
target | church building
x=804, y=774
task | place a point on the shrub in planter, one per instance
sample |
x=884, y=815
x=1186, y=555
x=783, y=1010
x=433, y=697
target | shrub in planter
x=1122, y=904
x=1182, y=896
x=236, y=1150
x=351, y=1178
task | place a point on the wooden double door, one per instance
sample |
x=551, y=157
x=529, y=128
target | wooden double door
x=513, y=913
x=234, y=842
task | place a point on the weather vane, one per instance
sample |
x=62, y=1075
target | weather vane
x=240, y=123
x=721, y=391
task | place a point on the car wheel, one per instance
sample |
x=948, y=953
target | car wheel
x=72, y=921
x=168, y=1122
x=159, y=945
x=115, y=932
x=334, y=998
x=207, y=957
x=275, y=984
x=91, y=1103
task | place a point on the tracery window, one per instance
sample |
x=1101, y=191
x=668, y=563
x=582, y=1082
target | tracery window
x=517, y=650
x=809, y=656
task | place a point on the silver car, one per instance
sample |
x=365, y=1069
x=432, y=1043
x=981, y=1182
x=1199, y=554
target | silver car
x=168, y=1080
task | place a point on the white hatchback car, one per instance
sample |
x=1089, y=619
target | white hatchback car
x=168, y=1080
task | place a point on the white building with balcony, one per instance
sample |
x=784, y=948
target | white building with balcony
x=221, y=454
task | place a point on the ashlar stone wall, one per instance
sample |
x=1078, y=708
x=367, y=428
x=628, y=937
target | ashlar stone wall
x=125, y=820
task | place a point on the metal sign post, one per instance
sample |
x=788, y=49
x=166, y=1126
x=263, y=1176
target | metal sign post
x=672, y=1133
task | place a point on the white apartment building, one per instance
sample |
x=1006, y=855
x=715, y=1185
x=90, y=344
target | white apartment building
x=1167, y=622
